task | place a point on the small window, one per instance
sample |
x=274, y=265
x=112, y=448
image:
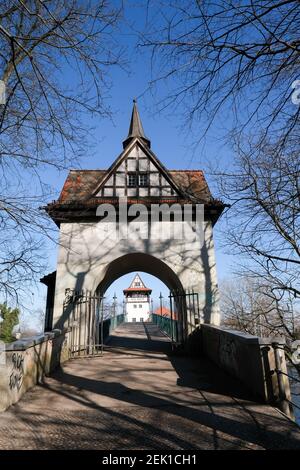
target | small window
x=141, y=319
x=137, y=284
x=134, y=320
x=140, y=306
x=134, y=305
x=131, y=180
x=143, y=180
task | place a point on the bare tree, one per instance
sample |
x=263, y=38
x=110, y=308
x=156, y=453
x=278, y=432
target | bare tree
x=242, y=58
x=264, y=221
x=249, y=305
x=234, y=56
x=55, y=57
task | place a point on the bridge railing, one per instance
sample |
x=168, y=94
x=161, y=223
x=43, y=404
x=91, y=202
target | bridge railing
x=259, y=363
x=167, y=325
x=283, y=397
x=110, y=324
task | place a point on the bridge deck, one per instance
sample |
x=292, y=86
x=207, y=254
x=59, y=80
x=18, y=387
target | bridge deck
x=138, y=397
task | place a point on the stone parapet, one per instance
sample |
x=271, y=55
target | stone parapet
x=24, y=363
x=250, y=359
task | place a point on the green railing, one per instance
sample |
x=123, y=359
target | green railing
x=110, y=324
x=170, y=327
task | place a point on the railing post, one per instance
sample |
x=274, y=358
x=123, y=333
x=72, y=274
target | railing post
x=283, y=403
x=102, y=315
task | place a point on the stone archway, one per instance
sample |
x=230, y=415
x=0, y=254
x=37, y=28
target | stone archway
x=83, y=309
x=139, y=262
x=136, y=261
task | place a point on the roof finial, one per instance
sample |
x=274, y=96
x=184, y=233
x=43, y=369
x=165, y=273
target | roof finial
x=136, y=127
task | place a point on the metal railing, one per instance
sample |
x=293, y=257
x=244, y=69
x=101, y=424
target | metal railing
x=88, y=325
x=114, y=322
x=168, y=325
x=178, y=315
x=280, y=372
x=284, y=402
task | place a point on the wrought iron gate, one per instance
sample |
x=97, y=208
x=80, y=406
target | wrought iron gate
x=185, y=310
x=84, y=311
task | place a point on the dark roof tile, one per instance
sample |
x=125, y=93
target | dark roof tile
x=81, y=184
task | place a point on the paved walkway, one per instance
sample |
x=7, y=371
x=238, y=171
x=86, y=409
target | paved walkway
x=138, y=397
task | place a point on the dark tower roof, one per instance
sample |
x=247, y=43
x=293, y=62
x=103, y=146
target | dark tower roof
x=136, y=128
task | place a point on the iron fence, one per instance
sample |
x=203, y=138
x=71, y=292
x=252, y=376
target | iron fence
x=166, y=324
x=88, y=329
x=181, y=316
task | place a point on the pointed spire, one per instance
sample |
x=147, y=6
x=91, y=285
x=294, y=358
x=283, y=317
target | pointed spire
x=135, y=128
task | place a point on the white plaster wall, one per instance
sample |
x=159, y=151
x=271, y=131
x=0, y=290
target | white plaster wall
x=137, y=313
x=87, y=249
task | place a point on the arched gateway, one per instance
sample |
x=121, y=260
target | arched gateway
x=136, y=216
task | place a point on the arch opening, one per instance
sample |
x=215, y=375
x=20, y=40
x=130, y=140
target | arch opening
x=134, y=262
x=89, y=324
x=169, y=313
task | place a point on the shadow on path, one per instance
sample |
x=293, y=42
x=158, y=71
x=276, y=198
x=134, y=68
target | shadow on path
x=140, y=336
x=143, y=398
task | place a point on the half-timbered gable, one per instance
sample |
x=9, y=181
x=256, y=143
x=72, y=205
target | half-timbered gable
x=137, y=173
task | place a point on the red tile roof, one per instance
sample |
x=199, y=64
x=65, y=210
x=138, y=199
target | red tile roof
x=77, y=198
x=80, y=185
x=165, y=312
x=193, y=183
x=137, y=289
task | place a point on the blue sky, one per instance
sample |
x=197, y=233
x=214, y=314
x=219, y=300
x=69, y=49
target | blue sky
x=169, y=140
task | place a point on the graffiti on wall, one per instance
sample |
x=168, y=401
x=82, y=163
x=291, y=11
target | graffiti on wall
x=228, y=352
x=17, y=373
x=2, y=354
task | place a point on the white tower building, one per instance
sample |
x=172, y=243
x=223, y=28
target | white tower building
x=137, y=299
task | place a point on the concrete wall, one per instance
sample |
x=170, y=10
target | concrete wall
x=24, y=363
x=248, y=358
x=88, y=259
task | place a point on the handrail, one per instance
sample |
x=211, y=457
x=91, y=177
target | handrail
x=285, y=403
x=293, y=378
x=287, y=375
x=168, y=325
x=293, y=403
